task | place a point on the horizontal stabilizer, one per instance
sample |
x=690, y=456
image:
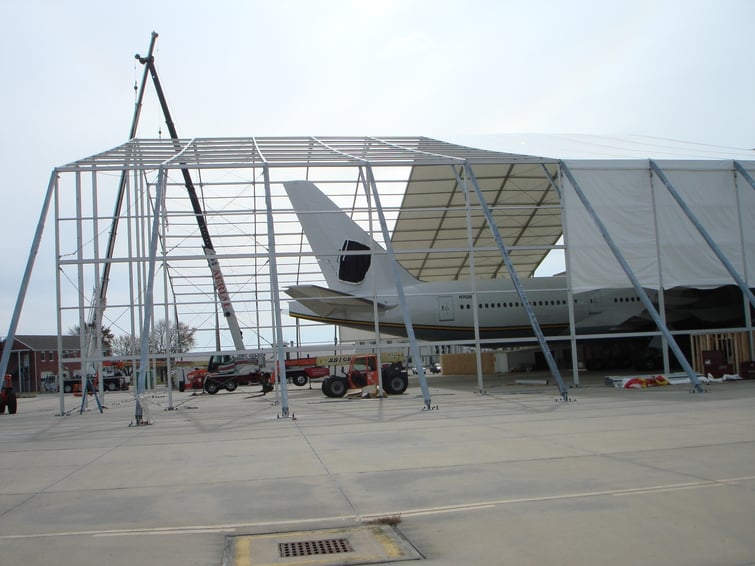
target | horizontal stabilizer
x=309, y=295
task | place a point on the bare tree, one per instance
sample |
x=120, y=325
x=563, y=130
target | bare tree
x=126, y=345
x=164, y=338
x=107, y=335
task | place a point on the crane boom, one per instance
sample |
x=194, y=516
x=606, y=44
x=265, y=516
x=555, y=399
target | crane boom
x=99, y=303
x=209, y=251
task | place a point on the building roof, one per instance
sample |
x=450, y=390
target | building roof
x=40, y=343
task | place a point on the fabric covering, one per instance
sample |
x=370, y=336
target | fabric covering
x=657, y=239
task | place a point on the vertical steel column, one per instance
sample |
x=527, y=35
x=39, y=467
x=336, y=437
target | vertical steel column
x=659, y=257
x=83, y=342
x=517, y=285
x=472, y=279
x=569, y=290
x=704, y=233
x=739, y=168
x=280, y=358
x=371, y=274
x=633, y=278
x=131, y=191
x=166, y=309
x=399, y=288
x=59, y=303
x=142, y=411
x=99, y=299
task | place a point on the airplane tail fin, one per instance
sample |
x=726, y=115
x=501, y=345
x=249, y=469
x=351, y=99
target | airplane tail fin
x=337, y=241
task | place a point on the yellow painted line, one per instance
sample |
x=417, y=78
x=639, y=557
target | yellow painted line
x=242, y=555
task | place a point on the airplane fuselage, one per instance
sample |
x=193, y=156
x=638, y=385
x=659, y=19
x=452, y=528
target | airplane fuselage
x=445, y=310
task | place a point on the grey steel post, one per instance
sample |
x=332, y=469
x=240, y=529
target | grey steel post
x=399, y=288
x=739, y=168
x=633, y=278
x=373, y=286
x=58, y=303
x=661, y=292
x=569, y=290
x=518, y=285
x=11, y=335
x=704, y=233
x=142, y=412
x=472, y=279
x=280, y=372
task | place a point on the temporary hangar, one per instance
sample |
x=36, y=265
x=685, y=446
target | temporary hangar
x=451, y=212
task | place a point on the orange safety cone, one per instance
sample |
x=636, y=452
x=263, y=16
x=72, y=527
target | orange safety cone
x=76, y=390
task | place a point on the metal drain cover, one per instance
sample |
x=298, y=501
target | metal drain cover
x=310, y=547
x=364, y=544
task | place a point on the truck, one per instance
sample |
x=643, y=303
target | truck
x=363, y=372
x=301, y=370
x=227, y=372
x=114, y=378
x=115, y=383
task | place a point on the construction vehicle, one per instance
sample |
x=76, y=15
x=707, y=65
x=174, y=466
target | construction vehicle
x=113, y=378
x=228, y=372
x=363, y=372
x=301, y=370
x=8, y=396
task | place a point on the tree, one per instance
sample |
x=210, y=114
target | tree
x=107, y=335
x=169, y=338
x=164, y=338
x=126, y=345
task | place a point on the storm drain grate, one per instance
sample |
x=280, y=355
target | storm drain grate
x=312, y=547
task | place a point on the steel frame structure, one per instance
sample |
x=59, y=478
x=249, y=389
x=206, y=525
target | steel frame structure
x=158, y=270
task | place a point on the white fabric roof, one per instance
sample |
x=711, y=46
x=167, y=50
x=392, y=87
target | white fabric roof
x=433, y=223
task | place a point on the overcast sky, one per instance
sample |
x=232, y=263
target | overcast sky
x=674, y=70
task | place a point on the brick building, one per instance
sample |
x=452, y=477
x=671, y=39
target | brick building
x=34, y=360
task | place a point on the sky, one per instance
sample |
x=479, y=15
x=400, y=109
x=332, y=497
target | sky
x=506, y=73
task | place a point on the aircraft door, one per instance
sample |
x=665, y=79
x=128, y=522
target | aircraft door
x=445, y=308
x=594, y=305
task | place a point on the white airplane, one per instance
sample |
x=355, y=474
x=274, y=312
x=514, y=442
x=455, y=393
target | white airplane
x=361, y=283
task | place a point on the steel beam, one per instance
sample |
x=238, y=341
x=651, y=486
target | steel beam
x=280, y=370
x=399, y=288
x=742, y=171
x=518, y=285
x=472, y=279
x=142, y=411
x=11, y=335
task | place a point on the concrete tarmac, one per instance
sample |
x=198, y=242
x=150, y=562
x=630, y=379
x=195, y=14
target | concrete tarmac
x=514, y=476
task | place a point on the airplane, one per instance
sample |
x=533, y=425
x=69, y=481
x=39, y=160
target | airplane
x=361, y=283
